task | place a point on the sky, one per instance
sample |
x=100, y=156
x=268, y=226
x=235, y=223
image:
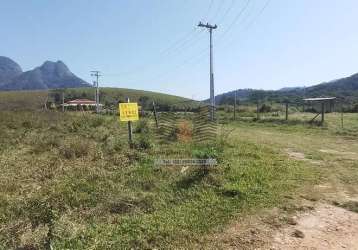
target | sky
x=156, y=44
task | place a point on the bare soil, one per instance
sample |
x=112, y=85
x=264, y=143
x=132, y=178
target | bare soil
x=322, y=219
x=326, y=227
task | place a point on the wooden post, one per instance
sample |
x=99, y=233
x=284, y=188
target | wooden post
x=130, y=131
x=322, y=115
x=286, y=111
x=155, y=115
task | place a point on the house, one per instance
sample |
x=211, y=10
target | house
x=81, y=103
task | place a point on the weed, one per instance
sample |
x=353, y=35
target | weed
x=75, y=149
x=351, y=206
x=142, y=127
x=143, y=142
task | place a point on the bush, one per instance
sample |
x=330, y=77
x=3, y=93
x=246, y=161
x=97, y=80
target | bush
x=206, y=153
x=265, y=108
x=44, y=143
x=113, y=144
x=143, y=142
x=96, y=122
x=75, y=149
x=184, y=131
x=142, y=127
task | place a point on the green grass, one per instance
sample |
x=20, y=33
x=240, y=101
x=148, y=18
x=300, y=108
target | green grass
x=35, y=100
x=111, y=96
x=71, y=180
x=22, y=100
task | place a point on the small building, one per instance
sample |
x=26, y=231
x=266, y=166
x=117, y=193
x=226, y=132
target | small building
x=82, y=104
x=323, y=101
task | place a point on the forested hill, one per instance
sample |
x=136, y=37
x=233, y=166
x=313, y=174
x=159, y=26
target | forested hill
x=344, y=88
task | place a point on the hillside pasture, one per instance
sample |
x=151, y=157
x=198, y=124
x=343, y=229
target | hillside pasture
x=109, y=97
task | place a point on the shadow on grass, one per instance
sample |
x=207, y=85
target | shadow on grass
x=194, y=178
x=282, y=121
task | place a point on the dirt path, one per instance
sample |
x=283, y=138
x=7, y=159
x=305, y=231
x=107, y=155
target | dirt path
x=327, y=227
x=323, y=226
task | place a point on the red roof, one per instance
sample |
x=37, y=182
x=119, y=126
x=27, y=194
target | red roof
x=81, y=101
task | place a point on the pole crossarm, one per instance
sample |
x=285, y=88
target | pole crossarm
x=207, y=25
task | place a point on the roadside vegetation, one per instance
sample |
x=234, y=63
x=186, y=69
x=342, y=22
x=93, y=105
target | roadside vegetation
x=109, y=97
x=71, y=181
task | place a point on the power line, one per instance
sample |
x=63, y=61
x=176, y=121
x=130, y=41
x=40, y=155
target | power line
x=252, y=22
x=208, y=10
x=220, y=21
x=259, y=14
x=186, y=42
x=218, y=10
x=236, y=18
x=189, y=38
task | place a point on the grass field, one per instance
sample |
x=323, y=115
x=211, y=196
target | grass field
x=70, y=180
x=35, y=100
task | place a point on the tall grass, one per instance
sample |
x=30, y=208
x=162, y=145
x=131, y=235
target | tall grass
x=71, y=181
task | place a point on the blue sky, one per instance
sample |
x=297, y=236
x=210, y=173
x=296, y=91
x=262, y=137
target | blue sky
x=155, y=45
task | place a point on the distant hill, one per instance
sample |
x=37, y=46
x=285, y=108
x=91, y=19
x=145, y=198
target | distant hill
x=344, y=88
x=9, y=70
x=228, y=98
x=49, y=75
x=32, y=100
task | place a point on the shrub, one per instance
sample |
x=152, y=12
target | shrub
x=143, y=142
x=113, y=144
x=75, y=149
x=184, y=131
x=265, y=108
x=209, y=152
x=142, y=127
x=96, y=121
x=45, y=143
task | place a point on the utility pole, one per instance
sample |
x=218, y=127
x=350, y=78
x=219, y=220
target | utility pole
x=96, y=74
x=304, y=97
x=130, y=130
x=155, y=115
x=63, y=101
x=212, y=93
x=235, y=98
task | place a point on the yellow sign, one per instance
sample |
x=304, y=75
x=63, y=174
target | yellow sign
x=128, y=112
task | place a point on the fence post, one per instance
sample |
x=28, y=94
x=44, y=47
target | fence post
x=130, y=131
x=323, y=111
x=155, y=115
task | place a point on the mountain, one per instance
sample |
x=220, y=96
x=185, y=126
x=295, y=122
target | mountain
x=285, y=89
x=9, y=70
x=344, y=88
x=228, y=98
x=50, y=75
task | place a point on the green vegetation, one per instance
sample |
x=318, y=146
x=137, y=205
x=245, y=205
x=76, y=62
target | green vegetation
x=111, y=96
x=35, y=100
x=71, y=181
x=22, y=100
